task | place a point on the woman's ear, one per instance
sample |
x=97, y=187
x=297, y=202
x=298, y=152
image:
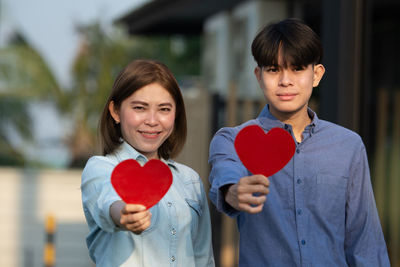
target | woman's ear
x=319, y=71
x=114, y=113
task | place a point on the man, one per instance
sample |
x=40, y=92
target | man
x=319, y=210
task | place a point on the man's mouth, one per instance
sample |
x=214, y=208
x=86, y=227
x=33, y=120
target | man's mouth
x=286, y=96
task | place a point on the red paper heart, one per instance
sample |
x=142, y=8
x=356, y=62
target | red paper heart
x=141, y=185
x=264, y=153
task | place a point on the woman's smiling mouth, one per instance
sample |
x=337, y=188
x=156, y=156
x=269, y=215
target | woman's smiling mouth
x=148, y=134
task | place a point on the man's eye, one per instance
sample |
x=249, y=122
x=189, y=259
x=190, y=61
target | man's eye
x=271, y=69
x=165, y=109
x=138, y=108
x=298, y=68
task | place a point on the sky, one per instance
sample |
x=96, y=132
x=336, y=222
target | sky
x=49, y=25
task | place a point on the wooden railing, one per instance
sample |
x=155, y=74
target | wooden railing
x=385, y=169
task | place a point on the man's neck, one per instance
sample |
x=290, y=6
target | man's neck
x=298, y=120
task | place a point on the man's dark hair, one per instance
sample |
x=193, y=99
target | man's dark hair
x=298, y=44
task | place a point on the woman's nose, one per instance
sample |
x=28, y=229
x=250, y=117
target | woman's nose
x=151, y=118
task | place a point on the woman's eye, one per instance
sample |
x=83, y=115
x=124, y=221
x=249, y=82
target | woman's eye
x=138, y=108
x=165, y=109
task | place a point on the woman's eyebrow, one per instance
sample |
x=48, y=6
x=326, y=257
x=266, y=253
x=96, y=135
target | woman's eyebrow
x=135, y=102
x=166, y=104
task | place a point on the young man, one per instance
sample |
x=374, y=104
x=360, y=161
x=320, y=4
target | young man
x=319, y=210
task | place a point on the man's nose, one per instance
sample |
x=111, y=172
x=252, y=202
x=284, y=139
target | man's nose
x=285, y=78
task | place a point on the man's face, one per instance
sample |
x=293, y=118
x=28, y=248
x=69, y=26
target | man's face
x=288, y=90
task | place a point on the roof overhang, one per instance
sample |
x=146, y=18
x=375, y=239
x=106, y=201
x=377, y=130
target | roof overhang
x=166, y=17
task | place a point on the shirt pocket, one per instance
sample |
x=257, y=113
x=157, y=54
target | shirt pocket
x=196, y=212
x=330, y=197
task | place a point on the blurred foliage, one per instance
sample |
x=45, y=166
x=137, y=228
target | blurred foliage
x=24, y=76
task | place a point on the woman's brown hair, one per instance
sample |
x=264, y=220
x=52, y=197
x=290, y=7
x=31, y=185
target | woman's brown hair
x=133, y=77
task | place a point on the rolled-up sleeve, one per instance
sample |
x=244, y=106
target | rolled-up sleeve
x=226, y=167
x=364, y=241
x=98, y=193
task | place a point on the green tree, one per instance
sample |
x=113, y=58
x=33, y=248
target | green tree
x=100, y=58
x=24, y=77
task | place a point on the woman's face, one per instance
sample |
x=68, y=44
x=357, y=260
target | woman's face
x=147, y=118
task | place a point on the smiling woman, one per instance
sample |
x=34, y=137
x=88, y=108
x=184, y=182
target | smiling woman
x=147, y=118
x=141, y=89
x=143, y=119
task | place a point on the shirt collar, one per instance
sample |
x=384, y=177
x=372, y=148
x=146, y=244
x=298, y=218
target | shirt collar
x=126, y=151
x=268, y=121
x=312, y=127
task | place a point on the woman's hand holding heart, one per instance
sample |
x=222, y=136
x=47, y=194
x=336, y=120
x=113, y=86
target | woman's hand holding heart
x=132, y=217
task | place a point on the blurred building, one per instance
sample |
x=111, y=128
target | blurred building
x=360, y=90
x=28, y=198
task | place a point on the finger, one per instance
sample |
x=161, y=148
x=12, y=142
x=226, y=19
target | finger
x=251, y=199
x=255, y=179
x=139, y=230
x=129, y=208
x=250, y=189
x=251, y=208
x=139, y=223
x=260, y=179
x=140, y=226
x=129, y=218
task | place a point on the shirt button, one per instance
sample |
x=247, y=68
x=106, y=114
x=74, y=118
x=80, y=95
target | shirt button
x=173, y=231
x=297, y=151
x=299, y=211
x=169, y=204
x=172, y=258
x=299, y=181
x=303, y=242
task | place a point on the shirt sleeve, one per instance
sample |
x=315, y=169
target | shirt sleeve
x=364, y=241
x=226, y=168
x=98, y=193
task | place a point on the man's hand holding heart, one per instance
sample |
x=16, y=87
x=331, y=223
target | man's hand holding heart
x=249, y=194
x=263, y=155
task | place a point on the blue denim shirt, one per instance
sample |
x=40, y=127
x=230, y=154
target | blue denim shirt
x=180, y=230
x=320, y=210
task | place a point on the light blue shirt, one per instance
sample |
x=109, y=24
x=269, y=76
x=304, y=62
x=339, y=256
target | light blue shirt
x=180, y=230
x=320, y=210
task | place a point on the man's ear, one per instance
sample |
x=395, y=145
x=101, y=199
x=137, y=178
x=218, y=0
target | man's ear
x=114, y=113
x=258, y=72
x=319, y=71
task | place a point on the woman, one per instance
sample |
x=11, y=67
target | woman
x=144, y=118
